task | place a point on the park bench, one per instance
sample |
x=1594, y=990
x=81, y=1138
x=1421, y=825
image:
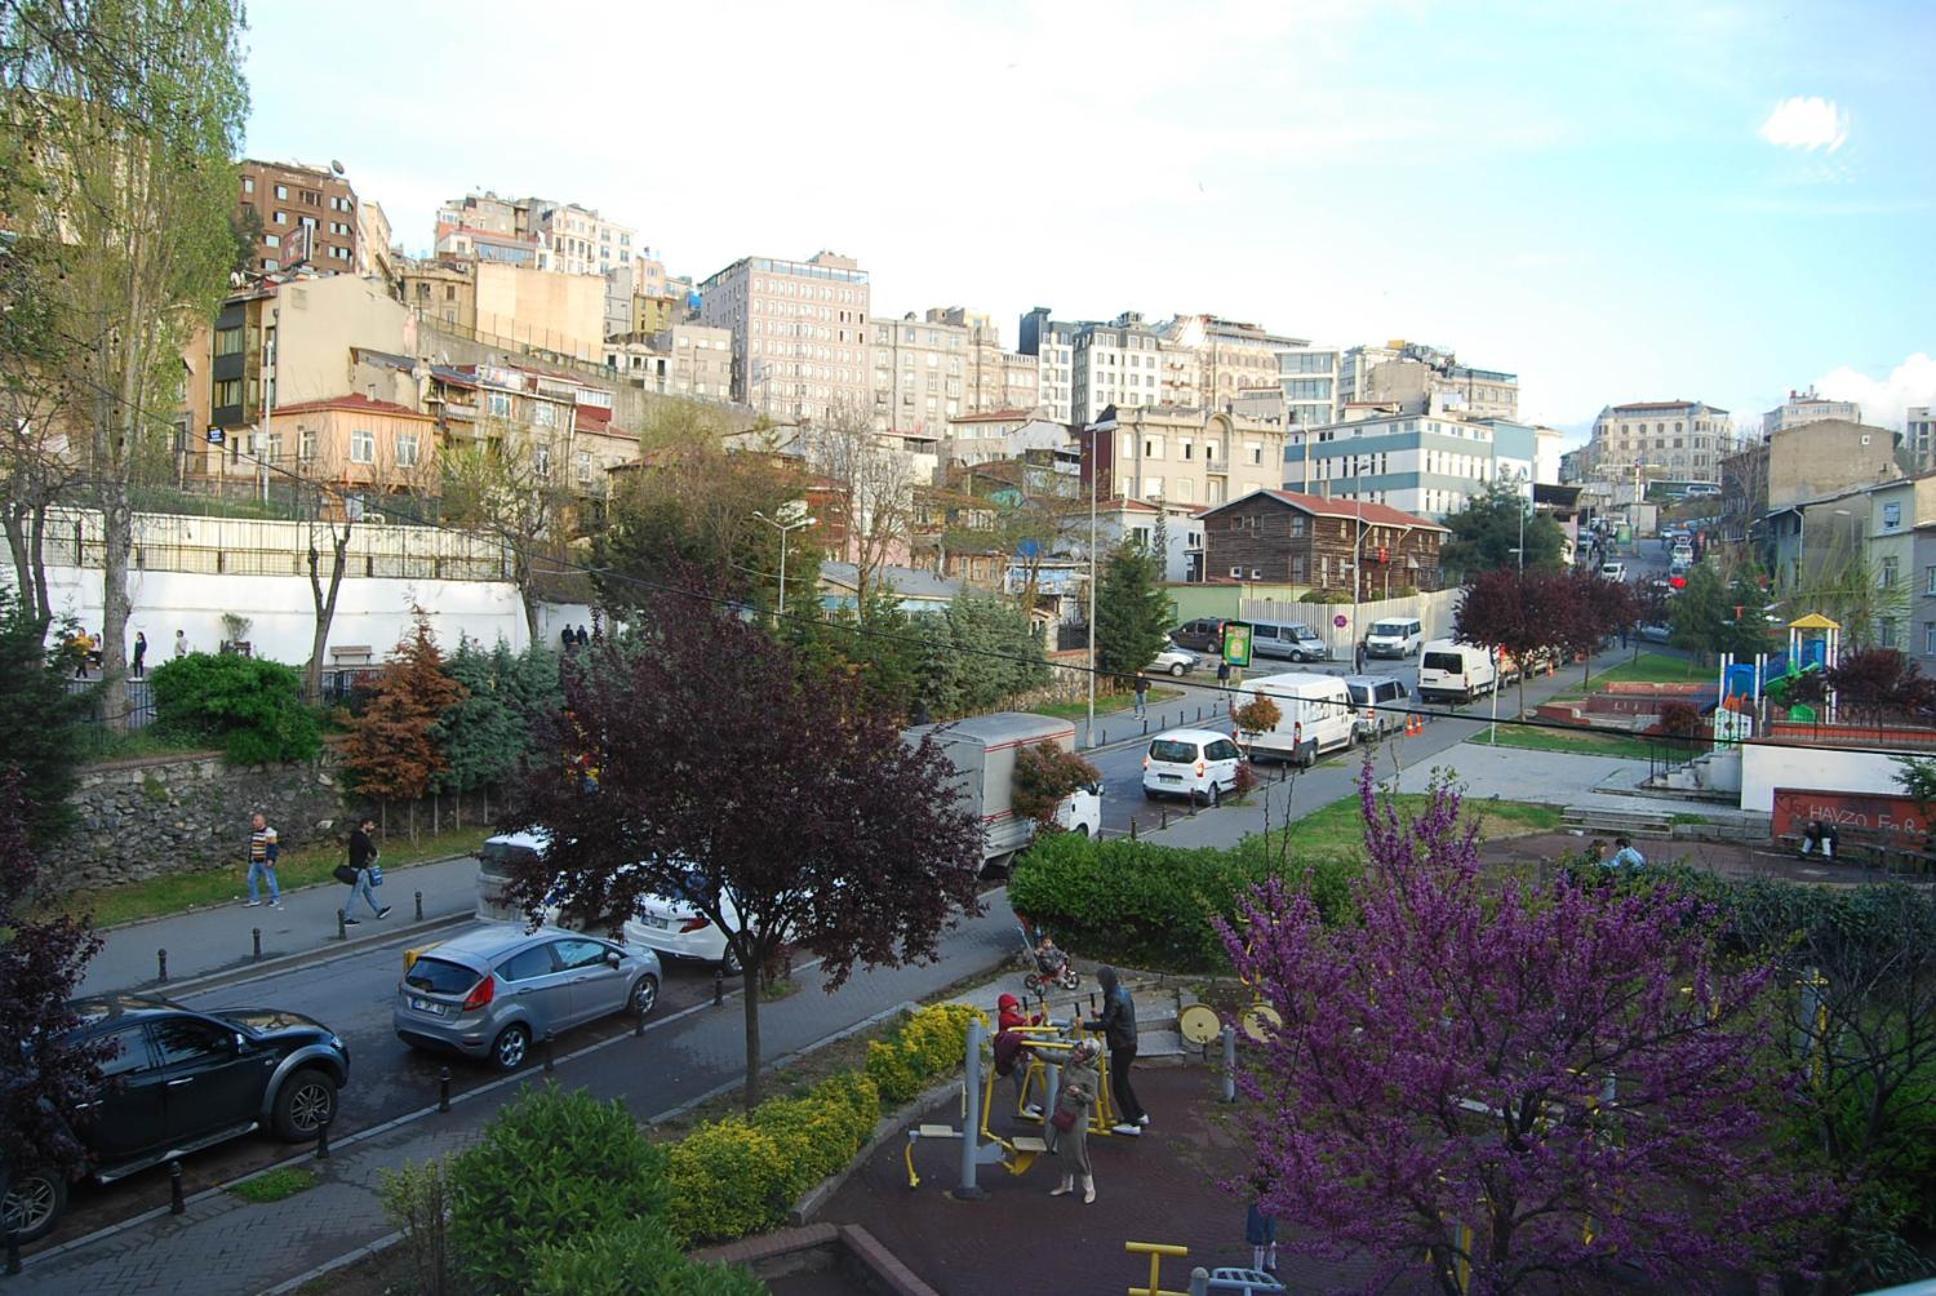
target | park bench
x=1617, y=823
x=1871, y=848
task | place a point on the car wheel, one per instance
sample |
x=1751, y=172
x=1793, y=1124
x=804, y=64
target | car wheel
x=1082, y=830
x=34, y=1201
x=644, y=996
x=305, y=1103
x=511, y=1046
x=729, y=965
x=1176, y=669
x=1216, y=795
x=1149, y=794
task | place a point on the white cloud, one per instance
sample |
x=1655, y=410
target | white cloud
x=1807, y=122
x=1883, y=400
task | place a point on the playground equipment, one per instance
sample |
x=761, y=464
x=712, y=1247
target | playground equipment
x=1225, y=1280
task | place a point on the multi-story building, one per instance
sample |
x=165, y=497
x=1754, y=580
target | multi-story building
x=799, y=334
x=444, y=291
x=981, y=438
x=1807, y=407
x=542, y=309
x=1919, y=434
x=1052, y=345
x=554, y=428
x=467, y=243
x=1666, y=440
x=1416, y=463
x=701, y=361
x=1309, y=377
x=1192, y=361
x=1422, y=379
x=376, y=253
x=1547, y=455
x=1119, y=364
x=1320, y=541
x=1187, y=457
x=1229, y=357
x=485, y=213
x=581, y=241
x=921, y=373
x=307, y=216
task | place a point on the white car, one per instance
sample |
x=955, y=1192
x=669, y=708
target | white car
x=1191, y=763
x=672, y=926
x=1173, y=661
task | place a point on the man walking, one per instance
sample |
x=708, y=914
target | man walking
x=1118, y=1027
x=1358, y=658
x=262, y=861
x=1142, y=696
x=363, y=854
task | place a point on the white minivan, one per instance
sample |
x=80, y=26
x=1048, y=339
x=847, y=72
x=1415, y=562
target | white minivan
x=1397, y=637
x=1191, y=763
x=1451, y=671
x=1315, y=716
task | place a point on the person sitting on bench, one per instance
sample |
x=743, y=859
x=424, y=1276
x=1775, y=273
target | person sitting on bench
x=1821, y=837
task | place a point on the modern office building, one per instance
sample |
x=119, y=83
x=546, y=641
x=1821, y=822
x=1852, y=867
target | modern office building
x=1417, y=463
x=799, y=334
x=1310, y=379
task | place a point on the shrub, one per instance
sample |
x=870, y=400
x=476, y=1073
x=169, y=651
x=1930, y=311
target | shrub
x=1680, y=719
x=417, y=1200
x=1326, y=596
x=1044, y=775
x=250, y=707
x=727, y=1179
x=634, y=1258
x=1259, y=715
x=930, y=1044
x=551, y=1166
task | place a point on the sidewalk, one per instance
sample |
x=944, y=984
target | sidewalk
x=1199, y=704
x=223, y=1246
x=206, y=941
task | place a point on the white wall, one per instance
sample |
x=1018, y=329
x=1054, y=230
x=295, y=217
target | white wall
x=370, y=611
x=1765, y=768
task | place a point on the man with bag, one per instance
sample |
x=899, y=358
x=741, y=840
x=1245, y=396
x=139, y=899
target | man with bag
x=361, y=874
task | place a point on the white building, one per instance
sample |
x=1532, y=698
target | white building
x=1428, y=465
x=799, y=334
x=1919, y=434
x=1807, y=407
x=581, y=241
x=1310, y=377
x=1669, y=440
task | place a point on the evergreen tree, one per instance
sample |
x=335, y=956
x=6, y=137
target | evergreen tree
x=997, y=652
x=1486, y=531
x=393, y=752
x=40, y=722
x=1133, y=614
x=483, y=735
x=1699, y=613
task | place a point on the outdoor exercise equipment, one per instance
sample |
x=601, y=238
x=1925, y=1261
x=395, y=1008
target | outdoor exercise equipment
x=1226, y=1280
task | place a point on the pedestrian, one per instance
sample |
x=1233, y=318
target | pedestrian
x=1823, y=837
x=181, y=644
x=1626, y=857
x=356, y=873
x=1358, y=657
x=140, y=653
x=1623, y=638
x=262, y=861
x=583, y=638
x=1260, y=1228
x=1142, y=696
x=1069, y=1125
x=1223, y=673
x=82, y=644
x=570, y=641
x=1118, y=1027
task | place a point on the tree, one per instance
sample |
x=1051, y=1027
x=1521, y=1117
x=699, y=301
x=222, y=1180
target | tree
x=323, y=594
x=1045, y=775
x=1523, y=612
x=1132, y=612
x=1589, y=608
x=508, y=491
x=1697, y=618
x=252, y=707
x=993, y=653
x=869, y=491
x=1440, y=1083
x=136, y=108
x=876, y=644
x=783, y=808
x=1882, y=683
x=1259, y=715
x=1844, y=587
x=392, y=750
x=1486, y=532
x=40, y=721
x=486, y=734
x=43, y=1080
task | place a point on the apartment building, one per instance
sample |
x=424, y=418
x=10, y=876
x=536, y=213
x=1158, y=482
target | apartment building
x=1309, y=377
x=444, y=291
x=554, y=428
x=1051, y=344
x=921, y=373
x=1181, y=455
x=1120, y=364
x=1423, y=379
x=307, y=216
x=800, y=334
x=581, y=241
x=1807, y=407
x=1423, y=464
x=1228, y=357
x=376, y=252
x=688, y=360
x=1919, y=434
x=1669, y=440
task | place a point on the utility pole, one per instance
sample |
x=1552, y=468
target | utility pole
x=1096, y=432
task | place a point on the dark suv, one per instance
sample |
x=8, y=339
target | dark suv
x=175, y=1080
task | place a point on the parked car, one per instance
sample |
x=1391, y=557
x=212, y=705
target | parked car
x=176, y=1081
x=1401, y=637
x=1290, y=640
x=1703, y=490
x=1205, y=634
x=1616, y=571
x=1452, y=671
x=1377, y=701
x=1174, y=661
x=495, y=990
x=1314, y=712
x=1191, y=763
x=1655, y=633
x=673, y=927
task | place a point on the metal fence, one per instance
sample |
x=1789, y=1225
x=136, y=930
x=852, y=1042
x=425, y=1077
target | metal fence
x=141, y=700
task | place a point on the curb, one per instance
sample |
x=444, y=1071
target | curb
x=242, y=973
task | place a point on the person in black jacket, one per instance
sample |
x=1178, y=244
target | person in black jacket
x=362, y=854
x=1118, y=1027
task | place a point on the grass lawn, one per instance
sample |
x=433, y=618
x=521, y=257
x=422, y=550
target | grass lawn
x=1106, y=703
x=285, y=1181
x=1339, y=826
x=1648, y=668
x=299, y=867
x=1585, y=743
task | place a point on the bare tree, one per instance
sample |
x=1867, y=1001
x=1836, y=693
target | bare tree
x=513, y=490
x=870, y=484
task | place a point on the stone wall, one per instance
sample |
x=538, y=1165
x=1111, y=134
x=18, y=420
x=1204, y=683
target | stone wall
x=140, y=819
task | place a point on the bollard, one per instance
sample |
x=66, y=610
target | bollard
x=419, y=906
x=176, y=1202
x=1132, y=830
x=13, y=1253
x=1165, y=812
x=787, y=973
x=719, y=987
x=443, y=1089
x=322, y=1141
x=638, y=1025
x=1199, y=714
x=258, y=944
x=1230, y=1064
x=1199, y=1281
x=342, y=927
x=1146, y=727
x=1105, y=739
x=551, y=1050
x=161, y=965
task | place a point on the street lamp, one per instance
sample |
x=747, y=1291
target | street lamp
x=1097, y=430
x=800, y=520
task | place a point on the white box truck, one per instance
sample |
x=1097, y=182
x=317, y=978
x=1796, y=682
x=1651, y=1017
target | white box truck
x=1315, y=716
x=982, y=750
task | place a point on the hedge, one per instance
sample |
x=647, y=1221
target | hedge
x=1151, y=906
x=742, y=1173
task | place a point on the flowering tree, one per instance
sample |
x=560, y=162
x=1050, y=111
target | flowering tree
x=1439, y=1086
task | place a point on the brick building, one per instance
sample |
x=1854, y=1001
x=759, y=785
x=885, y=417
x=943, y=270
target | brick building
x=307, y=216
x=1273, y=535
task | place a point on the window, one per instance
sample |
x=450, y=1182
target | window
x=362, y=446
x=306, y=445
x=541, y=462
x=248, y=184
x=228, y=341
x=1929, y=638
x=406, y=449
x=228, y=392
x=185, y=1041
x=1929, y=581
x=282, y=193
x=1886, y=575
x=279, y=218
x=499, y=403
x=544, y=414
x=579, y=954
x=1891, y=516
x=534, y=962
x=1886, y=633
x=585, y=466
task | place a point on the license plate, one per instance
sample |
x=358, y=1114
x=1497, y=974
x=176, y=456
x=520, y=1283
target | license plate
x=428, y=1006
x=1171, y=778
x=652, y=920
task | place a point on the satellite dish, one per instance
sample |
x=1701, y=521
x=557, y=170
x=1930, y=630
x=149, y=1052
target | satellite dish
x=336, y=166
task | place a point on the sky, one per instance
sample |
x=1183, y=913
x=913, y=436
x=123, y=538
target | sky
x=1618, y=202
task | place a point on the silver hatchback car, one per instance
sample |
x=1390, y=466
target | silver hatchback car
x=495, y=990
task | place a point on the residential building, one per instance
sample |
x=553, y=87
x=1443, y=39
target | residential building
x=1921, y=615
x=1309, y=377
x=545, y=310
x=355, y=446
x=1807, y=407
x=1051, y=343
x=484, y=213
x=1258, y=404
x=996, y=379
x=1172, y=528
x=307, y=216
x=580, y=240
x=1273, y=535
x=1421, y=464
x=1770, y=490
x=1899, y=519
x=974, y=439
x=916, y=592
x=376, y=253
x=1919, y=435
x=700, y=361
x=921, y=373
x=1186, y=457
x=553, y=426
x=443, y=291
x=466, y=243
x=799, y=334
x=1229, y=357
x=1547, y=455
x=1421, y=379
x=1120, y=364
x=1677, y=440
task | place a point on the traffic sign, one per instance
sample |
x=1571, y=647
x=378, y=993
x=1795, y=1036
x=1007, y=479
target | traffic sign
x=1341, y=620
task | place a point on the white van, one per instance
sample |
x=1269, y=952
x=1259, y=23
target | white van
x=1399, y=637
x=1380, y=701
x=1292, y=640
x=1315, y=716
x=1191, y=763
x=1452, y=671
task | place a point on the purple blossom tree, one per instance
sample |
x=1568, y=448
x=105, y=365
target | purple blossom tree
x=1438, y=1093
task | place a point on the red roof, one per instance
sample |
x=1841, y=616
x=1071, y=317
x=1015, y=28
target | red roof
x=355, y=402
x=1317, y=505
x=593, y=418
x=994, y=416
